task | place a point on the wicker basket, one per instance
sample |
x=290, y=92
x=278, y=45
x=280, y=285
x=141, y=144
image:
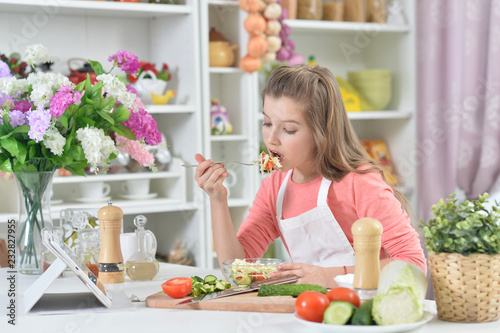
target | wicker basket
x=467, y=289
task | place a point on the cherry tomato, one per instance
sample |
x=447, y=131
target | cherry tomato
x=177, y=287
x=310, y=305
x=344, y=294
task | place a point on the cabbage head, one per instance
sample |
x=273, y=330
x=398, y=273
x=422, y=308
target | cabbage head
x=400, y=295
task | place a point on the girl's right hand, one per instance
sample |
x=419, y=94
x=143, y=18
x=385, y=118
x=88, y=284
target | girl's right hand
x=210, y=177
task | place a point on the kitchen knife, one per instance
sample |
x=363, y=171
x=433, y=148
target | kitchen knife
x=287, y=279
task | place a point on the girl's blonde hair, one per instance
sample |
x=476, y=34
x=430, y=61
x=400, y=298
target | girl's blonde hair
x=338, y=149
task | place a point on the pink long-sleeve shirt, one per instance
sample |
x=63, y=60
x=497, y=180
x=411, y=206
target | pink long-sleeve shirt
x=353, y=197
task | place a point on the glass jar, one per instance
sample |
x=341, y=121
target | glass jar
x=309, y=9
x=333, y=10
x=88, y=249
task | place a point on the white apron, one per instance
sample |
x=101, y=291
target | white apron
x=315, y=237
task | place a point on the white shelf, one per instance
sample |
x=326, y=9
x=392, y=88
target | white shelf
x=223, y=3
x=158, y=205
x=373, y=115
x=94, y=8
x=4, y=217
x=228, y=138
x=310, y=26
x=225, y=70
x=170, y=109
x=116, y=177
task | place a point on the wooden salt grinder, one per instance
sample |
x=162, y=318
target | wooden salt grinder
x=110, y=254
x=367, y=241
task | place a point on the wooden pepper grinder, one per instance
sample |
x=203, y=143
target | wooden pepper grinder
x=111, y=268
x=367, y=241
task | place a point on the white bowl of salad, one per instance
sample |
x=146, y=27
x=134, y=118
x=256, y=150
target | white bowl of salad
x=242, y=272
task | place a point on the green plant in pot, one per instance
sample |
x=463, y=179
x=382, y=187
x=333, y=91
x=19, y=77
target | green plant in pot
x=463, y=240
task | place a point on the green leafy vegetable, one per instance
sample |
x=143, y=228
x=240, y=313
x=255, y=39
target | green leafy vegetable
x=207, y=285
x=400, y=294
x=464, y=228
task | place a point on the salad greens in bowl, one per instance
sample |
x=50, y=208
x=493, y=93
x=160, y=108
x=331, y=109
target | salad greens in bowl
x=242, y=272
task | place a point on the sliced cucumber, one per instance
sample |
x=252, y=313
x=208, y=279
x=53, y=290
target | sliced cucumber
x=210, y=279
x=245, y=280
x=338, y=313
x=220, y=285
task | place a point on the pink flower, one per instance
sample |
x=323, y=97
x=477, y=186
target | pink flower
x=127, y=61
x=62, y=99
x=144, y=127
x=23, y=106
x=135, y=149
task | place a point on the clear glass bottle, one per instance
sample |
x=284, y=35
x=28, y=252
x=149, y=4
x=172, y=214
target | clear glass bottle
x=142, y=265
x=89, y=242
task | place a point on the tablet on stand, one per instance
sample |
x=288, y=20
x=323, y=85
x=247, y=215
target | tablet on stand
x=37, y=301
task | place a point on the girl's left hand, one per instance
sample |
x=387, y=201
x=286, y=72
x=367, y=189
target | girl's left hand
x=309, y=274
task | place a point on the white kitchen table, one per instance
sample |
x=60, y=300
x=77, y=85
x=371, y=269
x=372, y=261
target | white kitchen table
x=141, y=319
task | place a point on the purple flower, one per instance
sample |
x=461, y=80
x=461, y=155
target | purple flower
x=127, y=61
x=17, y=118
x=39, y=122
x=131, y=89
x=144, y=127
x=23, y=106
x=4, y=70
x=62, y=99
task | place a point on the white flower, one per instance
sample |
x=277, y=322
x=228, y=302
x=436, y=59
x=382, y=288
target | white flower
x=41, y=94
x=11, y=86
x=54, y=141
x=118, y=90
x=55, y=81
x=39, y=53
x=96, y=145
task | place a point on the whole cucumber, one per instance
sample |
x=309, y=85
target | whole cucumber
x=289, y=289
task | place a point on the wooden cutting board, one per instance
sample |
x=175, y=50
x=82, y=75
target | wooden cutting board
x=242, y=302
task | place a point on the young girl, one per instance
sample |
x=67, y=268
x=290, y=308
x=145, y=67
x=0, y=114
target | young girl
x=325, y=184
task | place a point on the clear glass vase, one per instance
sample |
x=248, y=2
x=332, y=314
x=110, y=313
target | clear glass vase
x=34, y=189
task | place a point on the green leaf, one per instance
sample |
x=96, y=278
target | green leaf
x=79, y=87
x=88, y=86
x=97, y=67
x=124, y=131
x=33, y=152
x=96, y=93
x=5, y=164
x=77, y=168
x=106, y=116
x=65, y=119
x=76, y=153
x=18, y=129
x=86, y=121
x=12, y=145
x=121, y=114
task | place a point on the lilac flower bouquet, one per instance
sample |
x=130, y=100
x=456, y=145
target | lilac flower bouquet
x=46, y=123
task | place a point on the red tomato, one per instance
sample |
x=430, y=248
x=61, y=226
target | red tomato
x=177, y=287
x=310, y=305
x=344, y=294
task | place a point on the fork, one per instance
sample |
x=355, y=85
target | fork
x=223, y=162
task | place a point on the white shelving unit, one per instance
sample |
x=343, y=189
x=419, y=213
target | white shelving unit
x=179, y=36
x=157, y=33
x=237, y=91
x=350, y=46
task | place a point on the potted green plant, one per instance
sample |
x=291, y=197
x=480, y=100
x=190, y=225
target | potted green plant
x=463, y=241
